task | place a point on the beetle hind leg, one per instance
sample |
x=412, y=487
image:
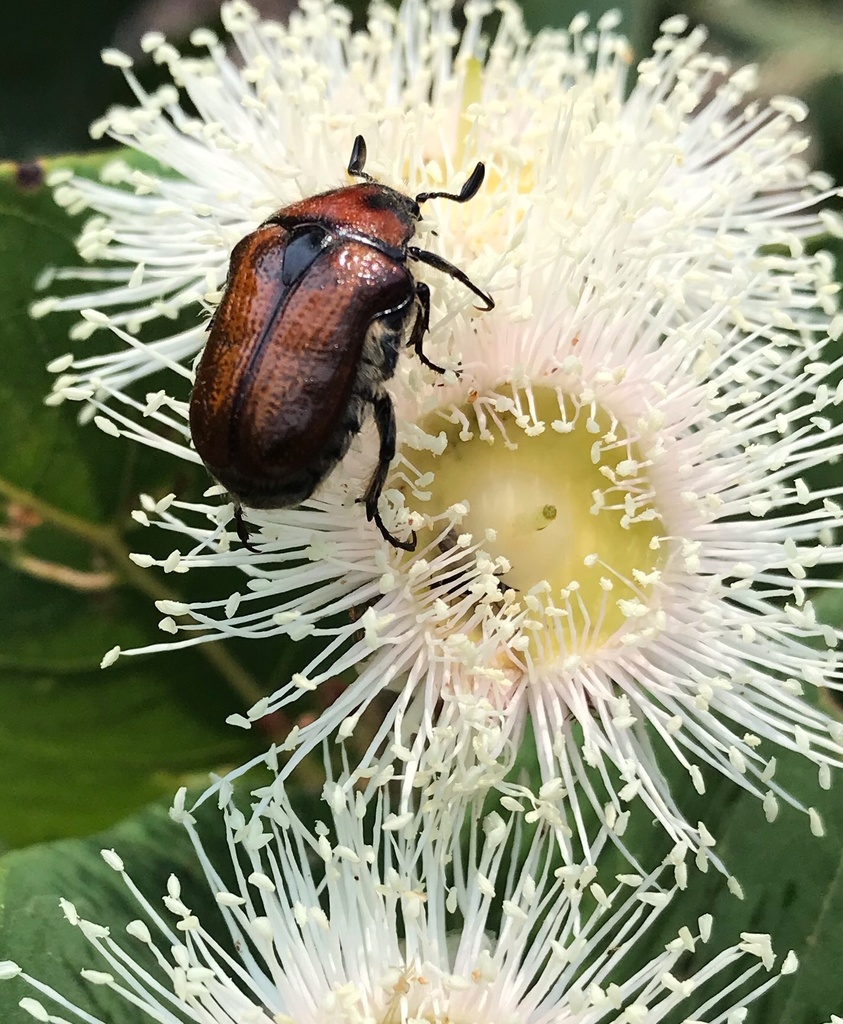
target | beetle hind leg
x=385, y=422
x=243, y=529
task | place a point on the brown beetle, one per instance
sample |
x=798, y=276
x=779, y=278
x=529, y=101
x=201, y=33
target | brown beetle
x=317, y=304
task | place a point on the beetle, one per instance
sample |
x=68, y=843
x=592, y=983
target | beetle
x=317, y=304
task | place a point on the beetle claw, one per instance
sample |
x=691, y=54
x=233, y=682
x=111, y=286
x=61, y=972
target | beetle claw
x=405, y=545
x=432, y=366
x=242, y=528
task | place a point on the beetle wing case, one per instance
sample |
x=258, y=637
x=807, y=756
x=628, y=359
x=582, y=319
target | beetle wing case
x=293, y=357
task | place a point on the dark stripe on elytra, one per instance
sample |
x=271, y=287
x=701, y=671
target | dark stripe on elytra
x=250, y=373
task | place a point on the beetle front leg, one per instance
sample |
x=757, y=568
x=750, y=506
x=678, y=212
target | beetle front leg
x=422, y=325
x=384, y=415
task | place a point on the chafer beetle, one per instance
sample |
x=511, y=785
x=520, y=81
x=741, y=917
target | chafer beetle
x=317, y=304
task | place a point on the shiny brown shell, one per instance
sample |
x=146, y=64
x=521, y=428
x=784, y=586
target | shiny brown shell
x=317, y=303
x=280, y=387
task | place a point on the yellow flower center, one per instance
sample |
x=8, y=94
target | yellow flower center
x=568, y=510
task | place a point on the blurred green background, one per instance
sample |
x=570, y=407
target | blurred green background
x=52, y=84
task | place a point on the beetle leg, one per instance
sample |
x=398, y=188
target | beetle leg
x=439, y=263
x=385, y=422
x=242, y=528
x=421, y=326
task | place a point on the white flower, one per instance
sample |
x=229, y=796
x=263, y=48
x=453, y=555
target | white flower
x=381, y=920
x=617, y=534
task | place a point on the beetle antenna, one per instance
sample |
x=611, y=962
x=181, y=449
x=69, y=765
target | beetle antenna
x=358, y=160
x=468, y=191
x=438, y=263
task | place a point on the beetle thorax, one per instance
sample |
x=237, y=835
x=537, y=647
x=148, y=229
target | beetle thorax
x=381, y=215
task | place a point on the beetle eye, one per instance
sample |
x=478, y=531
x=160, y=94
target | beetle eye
x=301, y=251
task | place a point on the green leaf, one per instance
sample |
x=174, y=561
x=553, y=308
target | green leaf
x=82, y=747
x=34, y=933
x=792, y=881
x=792, y=885
x=82, y=472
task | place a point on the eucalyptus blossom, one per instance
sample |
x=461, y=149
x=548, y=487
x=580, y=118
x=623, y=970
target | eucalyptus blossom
x=619, y=533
